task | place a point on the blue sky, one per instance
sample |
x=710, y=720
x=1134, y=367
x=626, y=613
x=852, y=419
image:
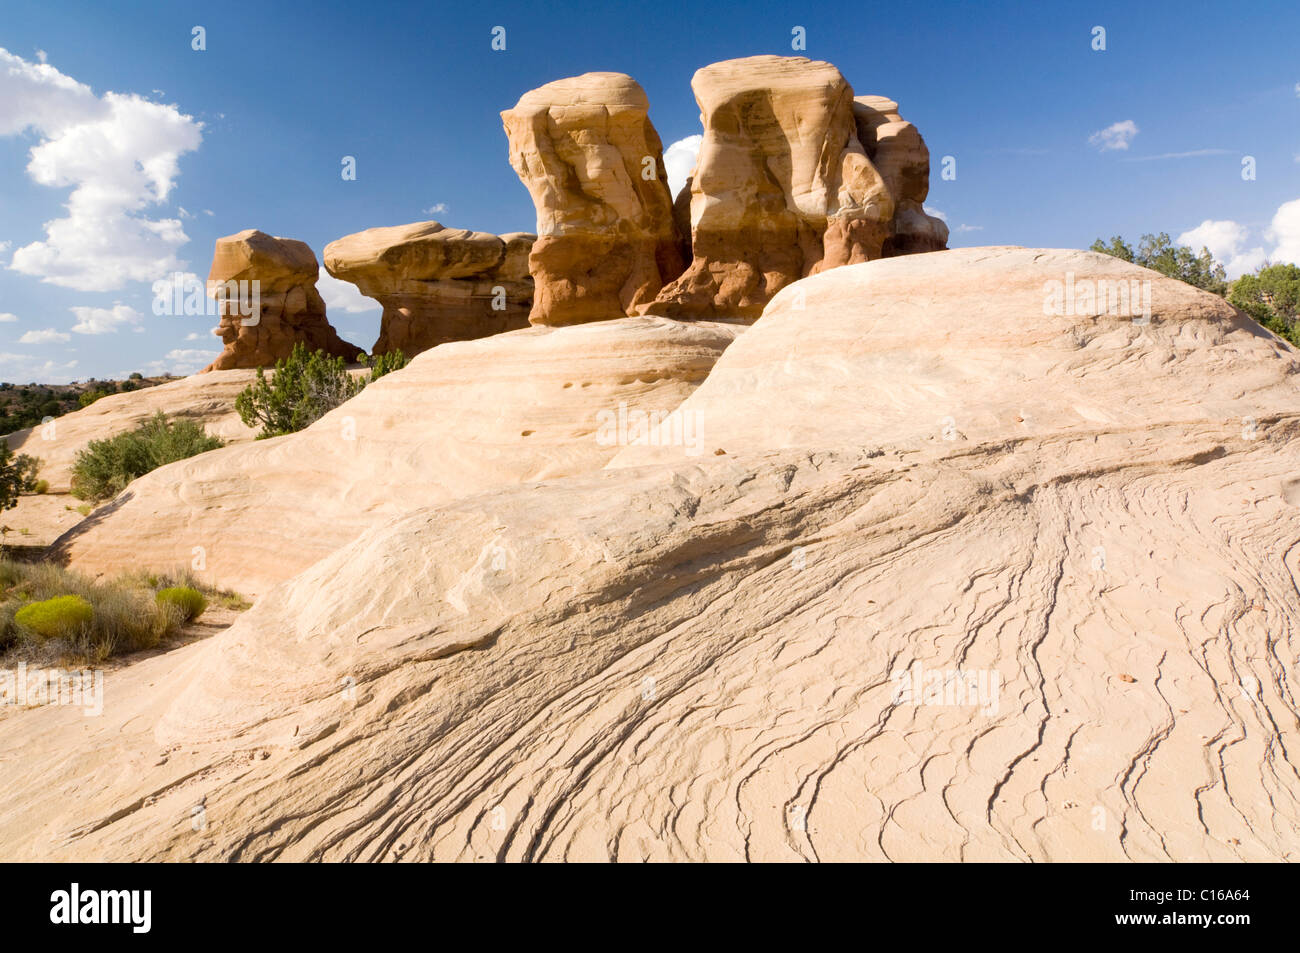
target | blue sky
x=142, y=151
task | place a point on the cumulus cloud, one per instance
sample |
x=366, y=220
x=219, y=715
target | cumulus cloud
x=342, y=295
x=104, y=320
x=7, y=317
x=1285, y=231
x=1117, y=135
x=16, y=367
x=936, y=213
x=679, y=161
x=119, y=154
x=436, y=209
x=181, y=361
x=44, y=336
x=1230, y=242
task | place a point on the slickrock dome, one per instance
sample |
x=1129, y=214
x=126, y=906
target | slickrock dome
x=1064, y=637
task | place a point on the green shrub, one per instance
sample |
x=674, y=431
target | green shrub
x=304, y=387
x=105, y=467
x=188, y=600
x=63, y=617
x=41, y=486
x=88, y=397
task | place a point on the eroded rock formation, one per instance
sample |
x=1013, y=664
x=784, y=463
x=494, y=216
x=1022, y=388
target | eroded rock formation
x=593, y=163
x=973, y=580
x=288, y=307
x=437, y=284
x=897, y=150
x=784, y=186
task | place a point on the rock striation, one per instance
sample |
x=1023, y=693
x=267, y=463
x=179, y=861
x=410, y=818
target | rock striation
x=287, y=309
x=437, y=284
x=1058, y=626
x=587, y=152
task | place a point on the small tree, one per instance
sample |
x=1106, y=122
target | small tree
x=304, y=387
x=12, y=476
x=1159, y=253
x=1272, y=297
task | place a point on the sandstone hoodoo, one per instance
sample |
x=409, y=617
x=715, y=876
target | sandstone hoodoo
x=260, y=323
x=593, y=163
x=437, y=284
x=897, y=150
x=784, y=187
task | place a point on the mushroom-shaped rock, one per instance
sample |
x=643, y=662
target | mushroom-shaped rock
x=267, y=300
x=593, y=163
x=437, y=284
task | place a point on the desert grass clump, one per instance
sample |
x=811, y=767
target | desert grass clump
x=62, y=617
x=188, y=600
x=46, y=608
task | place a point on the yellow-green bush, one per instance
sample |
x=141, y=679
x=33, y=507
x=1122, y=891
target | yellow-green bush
x=189, y=601
x=62, y=617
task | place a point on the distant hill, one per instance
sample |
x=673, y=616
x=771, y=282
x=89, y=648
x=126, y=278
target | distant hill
x=26, y=405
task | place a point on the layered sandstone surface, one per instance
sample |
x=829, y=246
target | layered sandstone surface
x=971, y=581
x=522, y=406
x=437, y=284
x=287, y=309
x=590, y=157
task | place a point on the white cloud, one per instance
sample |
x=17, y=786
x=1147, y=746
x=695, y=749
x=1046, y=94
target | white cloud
x=1180, y=155
x=1226, y=241
x=1230, y=242
x=1297, y=89
x=44, y=336
x=1117, y=135
x=936, y=213
x=7, y=317
x=342, y=295
x=104, y=320
x=1285, y=230
x=42, y=55
x=181, y=361
x=24, y=367
x=119, y=154
x=970, y=228
x=679, y=162
x=437, y=209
